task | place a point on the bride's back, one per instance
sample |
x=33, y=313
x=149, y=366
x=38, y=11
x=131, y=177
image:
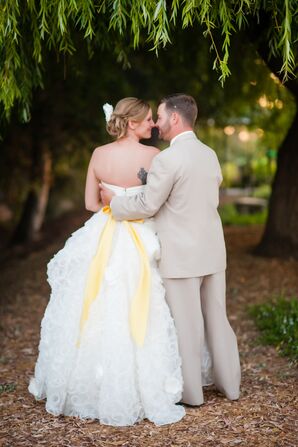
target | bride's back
x=123, y=163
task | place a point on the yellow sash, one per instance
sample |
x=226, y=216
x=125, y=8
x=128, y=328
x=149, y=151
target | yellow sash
x=140, y=302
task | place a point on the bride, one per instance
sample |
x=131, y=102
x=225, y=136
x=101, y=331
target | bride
x=108, y=348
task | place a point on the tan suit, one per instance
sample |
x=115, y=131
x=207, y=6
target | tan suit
x=182, y=195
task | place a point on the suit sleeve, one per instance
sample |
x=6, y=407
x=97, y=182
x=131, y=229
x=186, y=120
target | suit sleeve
x=160, y=181
x=218, y=171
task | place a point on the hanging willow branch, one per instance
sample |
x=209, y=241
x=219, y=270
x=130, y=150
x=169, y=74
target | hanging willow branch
x=28, y=28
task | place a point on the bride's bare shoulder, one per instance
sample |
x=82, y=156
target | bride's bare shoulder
x=101, y=150
x=152, y=149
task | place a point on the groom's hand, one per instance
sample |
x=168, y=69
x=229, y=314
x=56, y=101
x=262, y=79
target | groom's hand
x=106, y=195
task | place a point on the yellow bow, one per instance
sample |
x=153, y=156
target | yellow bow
x=140, y=302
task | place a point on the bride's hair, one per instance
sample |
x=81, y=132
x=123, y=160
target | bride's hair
x=126, y=109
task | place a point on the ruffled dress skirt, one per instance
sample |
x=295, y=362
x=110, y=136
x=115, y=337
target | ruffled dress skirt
x=107, y=375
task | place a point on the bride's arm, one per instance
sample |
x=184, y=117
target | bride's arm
x=92, y=195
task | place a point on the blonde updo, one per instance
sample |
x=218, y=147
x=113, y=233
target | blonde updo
x=126, y=109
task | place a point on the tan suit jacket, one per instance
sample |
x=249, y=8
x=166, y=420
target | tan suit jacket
x=182, y=194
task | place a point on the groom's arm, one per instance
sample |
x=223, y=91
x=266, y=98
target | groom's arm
x=160, y=181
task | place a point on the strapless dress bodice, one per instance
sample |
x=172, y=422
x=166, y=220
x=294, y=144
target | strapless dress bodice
x=120, y=191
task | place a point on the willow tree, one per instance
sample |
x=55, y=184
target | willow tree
x=31, y=28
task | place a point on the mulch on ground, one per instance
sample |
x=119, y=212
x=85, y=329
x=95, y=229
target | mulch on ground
x=265, y=415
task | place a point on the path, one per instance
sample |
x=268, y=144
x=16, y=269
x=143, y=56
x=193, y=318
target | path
x=265, y=415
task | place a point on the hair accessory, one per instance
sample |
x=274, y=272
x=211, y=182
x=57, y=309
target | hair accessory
x=108, y=110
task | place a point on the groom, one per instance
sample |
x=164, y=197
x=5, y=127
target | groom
x=182, y=194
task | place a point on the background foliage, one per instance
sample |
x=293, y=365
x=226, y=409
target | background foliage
x=59, y=61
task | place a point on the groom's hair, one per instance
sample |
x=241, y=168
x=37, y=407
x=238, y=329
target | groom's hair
x=183, y=104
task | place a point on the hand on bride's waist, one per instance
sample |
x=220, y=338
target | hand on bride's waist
x=106, y=195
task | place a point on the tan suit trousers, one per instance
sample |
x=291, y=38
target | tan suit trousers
x=199, y=309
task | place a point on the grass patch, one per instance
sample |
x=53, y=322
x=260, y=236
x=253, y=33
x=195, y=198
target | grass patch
x=230, y=216
x=278, y=323
x=7, y=387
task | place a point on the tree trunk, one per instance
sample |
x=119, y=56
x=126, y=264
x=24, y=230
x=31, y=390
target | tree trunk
x=35, y=205
x=280, y=237
x=43, y=193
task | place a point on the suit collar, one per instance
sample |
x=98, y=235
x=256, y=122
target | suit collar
x=182, y=136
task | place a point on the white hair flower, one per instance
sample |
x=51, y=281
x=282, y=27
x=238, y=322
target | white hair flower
x=108, y=110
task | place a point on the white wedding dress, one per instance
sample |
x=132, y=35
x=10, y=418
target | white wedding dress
x=107, y=376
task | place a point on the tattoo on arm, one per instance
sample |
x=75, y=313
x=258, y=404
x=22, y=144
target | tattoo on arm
x=142, y=175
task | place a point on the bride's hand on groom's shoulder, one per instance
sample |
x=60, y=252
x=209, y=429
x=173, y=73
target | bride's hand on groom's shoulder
x=106, y=195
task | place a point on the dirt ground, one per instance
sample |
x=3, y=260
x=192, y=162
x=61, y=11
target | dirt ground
x=266, y=414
